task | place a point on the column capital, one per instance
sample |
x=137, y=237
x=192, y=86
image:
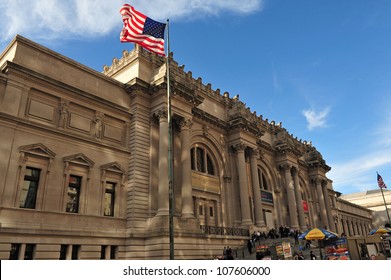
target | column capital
x=240, y=147
x=161, y=114
x=317, y=180
x=185, y=123
x=255, y=152
x=286, y=167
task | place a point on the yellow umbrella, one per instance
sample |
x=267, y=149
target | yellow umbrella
x=380, y=230
x=318, y=234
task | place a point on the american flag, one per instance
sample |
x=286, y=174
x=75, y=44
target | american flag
x=142, y=30
x=380, y=182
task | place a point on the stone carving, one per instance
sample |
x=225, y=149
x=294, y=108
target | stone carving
x=64, y=109
x=97, y=126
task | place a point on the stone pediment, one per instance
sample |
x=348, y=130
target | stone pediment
x=37, y=150
x=80, y=159
x=114, y=167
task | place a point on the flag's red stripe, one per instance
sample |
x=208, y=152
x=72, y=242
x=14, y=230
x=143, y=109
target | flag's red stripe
x=133, y=30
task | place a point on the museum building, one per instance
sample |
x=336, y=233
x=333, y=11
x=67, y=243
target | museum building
x=84, y=166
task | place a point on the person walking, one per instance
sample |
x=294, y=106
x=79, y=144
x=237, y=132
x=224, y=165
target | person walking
x=312, y=256
x=250, y=246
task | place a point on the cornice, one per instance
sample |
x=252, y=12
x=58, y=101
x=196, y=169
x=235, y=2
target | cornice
x=186, y=92
x=206, y=117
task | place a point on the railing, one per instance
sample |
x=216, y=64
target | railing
x=224, y=231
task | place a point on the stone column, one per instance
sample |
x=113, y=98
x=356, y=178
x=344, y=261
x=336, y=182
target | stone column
x=330, y=225
x=259, y=220
x=217, y=211
x=322, y=206
x=187, y=200
x=291, y=197
x=163, y=199
x=299, y=202
x=350, y=226
x=243, y=184
x=207, y=212
x=345, y=225
x=196, y=205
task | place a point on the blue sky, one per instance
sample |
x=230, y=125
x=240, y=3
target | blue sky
x=322, y=68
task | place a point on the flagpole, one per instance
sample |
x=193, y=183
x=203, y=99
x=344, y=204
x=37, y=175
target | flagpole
x=170, y=158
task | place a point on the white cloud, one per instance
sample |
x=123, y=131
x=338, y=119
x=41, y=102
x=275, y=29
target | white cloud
x=55, y=19
x=316, y=119
x=359, y=174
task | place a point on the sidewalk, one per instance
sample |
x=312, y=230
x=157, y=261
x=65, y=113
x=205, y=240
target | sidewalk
x=279, y=241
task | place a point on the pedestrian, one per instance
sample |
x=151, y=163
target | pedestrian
x=250, y=246
x=312, y=256
x=307, y=244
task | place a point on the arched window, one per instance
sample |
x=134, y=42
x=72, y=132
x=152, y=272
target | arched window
x=262, y=180
x=201, y=161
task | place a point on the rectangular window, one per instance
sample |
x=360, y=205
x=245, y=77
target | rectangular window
x=15, y=250
x=73, y=194
x=29, y=252
x=109, y=199
x=63, y=251
x=28, y=195
x=103, y=252
x=113, y=252
x=211, y=211
x=200, y=210
x=75, y=252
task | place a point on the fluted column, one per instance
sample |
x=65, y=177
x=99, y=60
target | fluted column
x=346, y=225
x=291, y=197
x=299, y=202
x=187, y=200
x=350, y=226
x=322, y=206
x=259, y=220
x=330, y=224
x=163, y=199
x=243, y=185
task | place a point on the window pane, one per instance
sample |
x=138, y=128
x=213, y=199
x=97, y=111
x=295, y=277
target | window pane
x=73, y=200
x=75, y=252
x=109, y=199
x=73, y=195
x=63, y=251
x=192, y=159
x=28, y=194
x=211, y=170
x=200, y=160
x=265, y=187
x=29, y=253
x=14, y=253
x=103, y=252
x=109, y=203
x=113, y=252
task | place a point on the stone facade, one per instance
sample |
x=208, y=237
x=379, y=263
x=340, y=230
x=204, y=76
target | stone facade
x=84, y=166
x=373, y=200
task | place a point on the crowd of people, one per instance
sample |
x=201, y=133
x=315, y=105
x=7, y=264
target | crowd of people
x=281, y=232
